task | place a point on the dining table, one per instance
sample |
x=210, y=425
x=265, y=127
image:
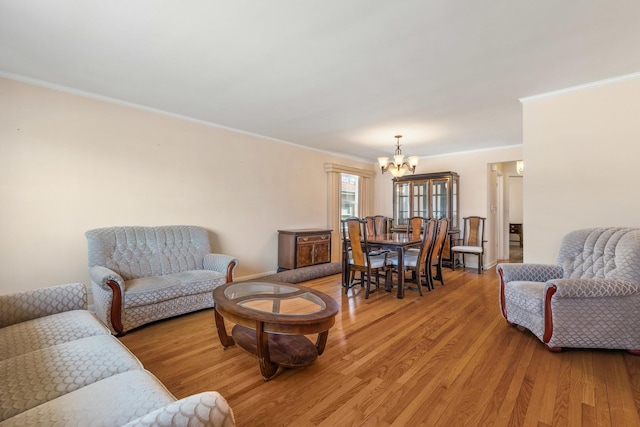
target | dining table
x=398, y=242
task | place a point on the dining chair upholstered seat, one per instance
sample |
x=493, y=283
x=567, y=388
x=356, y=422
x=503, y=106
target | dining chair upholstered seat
x=589, y=299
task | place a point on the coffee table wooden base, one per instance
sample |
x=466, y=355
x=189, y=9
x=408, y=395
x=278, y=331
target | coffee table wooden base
x=273, y=320
x=288, y=351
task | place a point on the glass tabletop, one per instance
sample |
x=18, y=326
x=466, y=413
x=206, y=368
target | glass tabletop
x=274, y=298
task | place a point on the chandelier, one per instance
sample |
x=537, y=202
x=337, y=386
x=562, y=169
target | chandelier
x=398, y=166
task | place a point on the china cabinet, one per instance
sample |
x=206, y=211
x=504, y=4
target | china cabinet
x=431, y=195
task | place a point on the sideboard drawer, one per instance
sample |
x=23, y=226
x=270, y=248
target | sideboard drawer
x=313, y=238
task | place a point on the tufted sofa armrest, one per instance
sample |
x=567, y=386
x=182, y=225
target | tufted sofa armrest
x=225, y=264
x=203, y=409
x=102, y=275
x=28, y=305
x=591, y=288
x=529, y=272
x=108, y=288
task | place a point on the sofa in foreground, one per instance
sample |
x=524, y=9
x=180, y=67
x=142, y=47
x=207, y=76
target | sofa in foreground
x=143, y=274
x=60, y=366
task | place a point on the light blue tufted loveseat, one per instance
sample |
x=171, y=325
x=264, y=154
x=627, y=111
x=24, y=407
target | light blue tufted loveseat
x=60, y=366
x=143, y=274
x=590, y=299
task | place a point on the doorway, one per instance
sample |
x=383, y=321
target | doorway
x=508, y=231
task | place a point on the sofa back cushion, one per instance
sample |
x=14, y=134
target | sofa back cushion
x=135, y=252
x=612, y=253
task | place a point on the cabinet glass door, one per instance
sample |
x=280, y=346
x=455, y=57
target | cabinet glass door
x=420, y=205
x=454, y=204
x=439, y=200
x=402, y=203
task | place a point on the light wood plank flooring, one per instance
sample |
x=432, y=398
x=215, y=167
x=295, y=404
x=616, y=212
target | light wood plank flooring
x=444, y=359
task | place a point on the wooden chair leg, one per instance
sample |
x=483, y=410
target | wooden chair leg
x=429, y=274
x=368, y=285
x=439, y=273
x=419, y=281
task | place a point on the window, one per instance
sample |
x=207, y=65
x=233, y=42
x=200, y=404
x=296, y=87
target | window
x=348, y=195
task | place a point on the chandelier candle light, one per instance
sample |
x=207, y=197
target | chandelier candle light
x=399, y=166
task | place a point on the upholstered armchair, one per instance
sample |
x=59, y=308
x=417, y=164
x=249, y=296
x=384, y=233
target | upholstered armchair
x=590, y=299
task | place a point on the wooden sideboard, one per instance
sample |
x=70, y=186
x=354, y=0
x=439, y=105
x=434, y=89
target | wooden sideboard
x=303, y=247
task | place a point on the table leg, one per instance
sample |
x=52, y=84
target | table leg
x=400, y=272
x=267, y=368
x=225, y=339
x=321, y=341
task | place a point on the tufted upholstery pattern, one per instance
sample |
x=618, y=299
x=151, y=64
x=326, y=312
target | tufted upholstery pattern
x=601, y=253
x=42, y=375
x=593, y=292
x=159, y=272
x=136, y=252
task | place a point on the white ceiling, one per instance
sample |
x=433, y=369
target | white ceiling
x=341, y=76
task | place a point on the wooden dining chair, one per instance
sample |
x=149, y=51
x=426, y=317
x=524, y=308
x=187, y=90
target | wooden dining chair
x=414, y=226
x=359, y=258
x=419, y=262
x=414, y=230
x=472, y=242
x=438, y=247
x=376, y=226
x=380, y=223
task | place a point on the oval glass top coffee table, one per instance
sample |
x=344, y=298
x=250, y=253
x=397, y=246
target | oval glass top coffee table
x=272, y=320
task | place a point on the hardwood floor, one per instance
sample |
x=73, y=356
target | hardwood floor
x=444, y=359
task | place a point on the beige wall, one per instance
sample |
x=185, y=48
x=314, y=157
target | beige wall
x=70, y=163
x=476, y=178
x=581, y=151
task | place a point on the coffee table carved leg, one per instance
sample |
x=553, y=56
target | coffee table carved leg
x=321, y=341
x=225, y=339
x=267, y=368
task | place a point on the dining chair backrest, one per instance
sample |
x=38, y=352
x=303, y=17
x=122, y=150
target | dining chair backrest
x=355, y=232
x=474, y=231
x=428, y=240
x=376, y=225
x=380, y=224
x=441, y=237
x=371, y=225
x=414, y=228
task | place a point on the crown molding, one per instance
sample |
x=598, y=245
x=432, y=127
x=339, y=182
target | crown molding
x=580, y=87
